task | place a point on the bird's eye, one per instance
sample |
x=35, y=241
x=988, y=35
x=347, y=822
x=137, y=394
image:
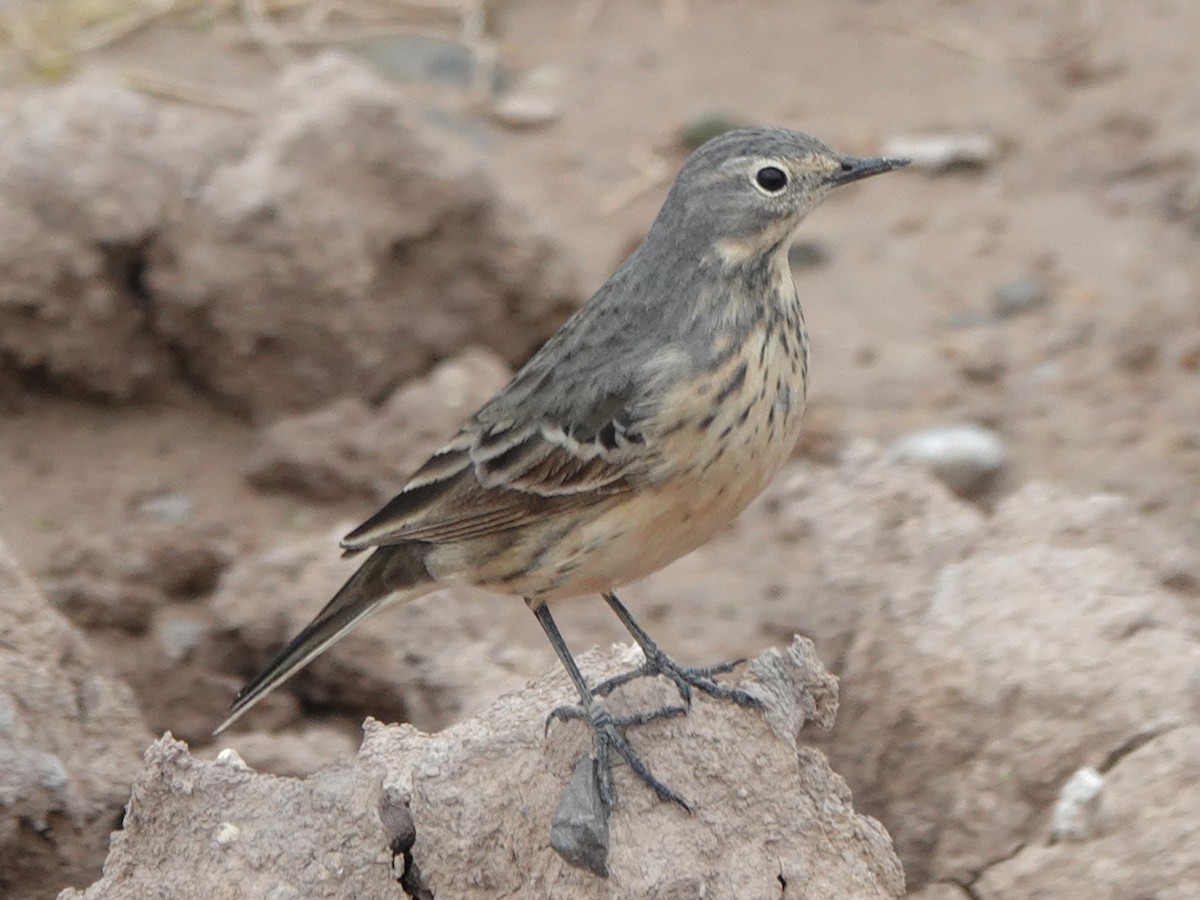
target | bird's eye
x=771, y=179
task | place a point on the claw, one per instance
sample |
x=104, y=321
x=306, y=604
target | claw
x=684, y=678
x=608, y=734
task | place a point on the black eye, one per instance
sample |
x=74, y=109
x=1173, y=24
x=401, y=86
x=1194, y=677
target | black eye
x=771, y=179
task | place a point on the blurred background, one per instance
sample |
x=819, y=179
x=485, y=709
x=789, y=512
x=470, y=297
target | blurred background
x=257, y=258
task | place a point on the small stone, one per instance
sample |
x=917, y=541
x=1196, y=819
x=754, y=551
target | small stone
x=978, y=354
x=966, y=457
x=95, y=602
x=807, y=255
x=400, y=833
x=179, y=636
x=51, y=774
x=1136, y=350
x=1019, y=295
x=410, y=57
x=170, y=509
x=394, y=814
x=704, y=128
x=227, y=834
x=944, y=152
x=231, y=759
x=579, y=833
x=534, y=99
x=1078, y=803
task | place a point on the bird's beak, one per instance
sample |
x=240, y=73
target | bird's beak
x=854, y=168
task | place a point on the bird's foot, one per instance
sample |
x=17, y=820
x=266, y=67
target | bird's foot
x=684, y=677
x=608, y=735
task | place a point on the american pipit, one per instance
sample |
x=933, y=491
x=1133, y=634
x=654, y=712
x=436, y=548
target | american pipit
x=643, y=426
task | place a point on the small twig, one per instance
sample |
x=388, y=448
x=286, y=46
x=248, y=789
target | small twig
x=97, y=37
x=157, y=85
x=342, y=35
x=484, y=55
x=959, y=41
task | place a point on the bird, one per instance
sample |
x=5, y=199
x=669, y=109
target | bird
x=643, y=426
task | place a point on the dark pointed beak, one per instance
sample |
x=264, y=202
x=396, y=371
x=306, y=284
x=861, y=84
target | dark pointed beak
x=855, y=168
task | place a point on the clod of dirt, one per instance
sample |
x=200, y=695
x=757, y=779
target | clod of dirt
x=70, y=744
x=430, y=662
x=481, y=796
x=1149, y=839
x=344, y=232
x=992, y=658
x=294, y=753
x=90, y=171
x=331, y=243
x=346, y=449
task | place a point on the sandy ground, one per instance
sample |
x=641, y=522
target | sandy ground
x=1092, y=101
x=1096, y=193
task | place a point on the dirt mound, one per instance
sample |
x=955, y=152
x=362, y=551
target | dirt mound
x=70, y=742
x=330, y=244
x=771, y=818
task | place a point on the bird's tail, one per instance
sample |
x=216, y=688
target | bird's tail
x=398, y=571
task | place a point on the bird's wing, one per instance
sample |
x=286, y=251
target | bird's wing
x=498, y=473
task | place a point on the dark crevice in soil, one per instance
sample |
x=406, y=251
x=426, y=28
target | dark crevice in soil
x=1131, y=745
x=411, y=881
x=968, y=886
x=129, y=265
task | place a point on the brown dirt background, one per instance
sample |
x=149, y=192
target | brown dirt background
x=1097, y=191
x=1097, y=108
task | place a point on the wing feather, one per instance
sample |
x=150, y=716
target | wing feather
x=461, y=494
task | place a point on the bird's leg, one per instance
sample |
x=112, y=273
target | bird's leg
x=658, y=663
x=607, y=730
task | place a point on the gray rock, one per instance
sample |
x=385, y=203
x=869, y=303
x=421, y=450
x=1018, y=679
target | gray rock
x=414, y=57
x=1019, y=295
x=966, y=457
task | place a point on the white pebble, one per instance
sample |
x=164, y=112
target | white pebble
x=965, y=457
x=1077, y=806
x=535, y=99
x=231, y=759
x=227, y=834
x=939, y=152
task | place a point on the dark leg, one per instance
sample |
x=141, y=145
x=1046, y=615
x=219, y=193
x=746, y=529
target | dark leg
x=658, y=663
x=607, y=730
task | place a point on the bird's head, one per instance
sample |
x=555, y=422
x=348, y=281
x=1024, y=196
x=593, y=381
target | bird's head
x=744, y=192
